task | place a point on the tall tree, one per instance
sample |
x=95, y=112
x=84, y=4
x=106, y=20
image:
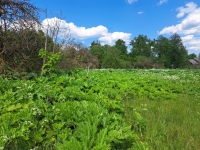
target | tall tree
x=97, y=50
x=112, y=58
x=109, y=56
x=171, y=51
x=121, y=46
x=179, y=53
x=163, y=50
x=95, y=43
x=141, y=46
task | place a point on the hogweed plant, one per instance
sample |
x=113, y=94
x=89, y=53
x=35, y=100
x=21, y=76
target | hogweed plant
x=50, y=61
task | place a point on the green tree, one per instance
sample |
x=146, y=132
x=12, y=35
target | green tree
x=121, y=46
x=98, y=51
x=141, y=46
x=171, y=51
x=112, y=58
x=179, y=53
x=163, y=50
x=191, y=56
x=95, y=43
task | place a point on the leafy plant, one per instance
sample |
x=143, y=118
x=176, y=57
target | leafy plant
x=50, y=61
x=105, y=109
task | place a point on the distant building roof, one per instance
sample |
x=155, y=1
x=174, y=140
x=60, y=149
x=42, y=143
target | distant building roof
x=197, y=60
x=194, y=61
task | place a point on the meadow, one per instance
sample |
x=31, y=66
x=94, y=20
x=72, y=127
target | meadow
x=147, y=109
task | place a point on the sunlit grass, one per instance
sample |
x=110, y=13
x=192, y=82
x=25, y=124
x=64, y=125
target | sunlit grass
x=171, y=125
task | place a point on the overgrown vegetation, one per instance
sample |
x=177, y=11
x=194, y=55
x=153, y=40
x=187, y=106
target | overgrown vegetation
x=105, y=109
x=47, y=103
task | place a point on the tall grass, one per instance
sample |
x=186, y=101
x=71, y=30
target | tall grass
x=171, y=125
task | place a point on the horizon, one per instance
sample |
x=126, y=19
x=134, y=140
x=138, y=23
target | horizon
x=107, y=21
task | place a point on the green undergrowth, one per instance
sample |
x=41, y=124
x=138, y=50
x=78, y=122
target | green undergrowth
x=101, y=109
x=172, y=125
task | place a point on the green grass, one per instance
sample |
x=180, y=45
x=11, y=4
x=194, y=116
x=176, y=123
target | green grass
x=171, y=125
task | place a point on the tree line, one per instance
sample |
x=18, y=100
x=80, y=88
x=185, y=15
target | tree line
x=21, y=41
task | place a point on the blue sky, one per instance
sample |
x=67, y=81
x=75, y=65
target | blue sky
x=110, y=20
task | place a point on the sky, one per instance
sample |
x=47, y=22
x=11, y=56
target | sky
x=110, y=20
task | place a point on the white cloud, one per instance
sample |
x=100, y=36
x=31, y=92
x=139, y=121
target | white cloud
x=189, y=8
x=81, y=33
x=162, y=2
x=189, y=27
x=131, y=1
x=111, y=38
x=140, y=12
x=75, y=31
x=192, y=42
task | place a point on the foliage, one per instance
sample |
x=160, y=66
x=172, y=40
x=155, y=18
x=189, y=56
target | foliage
x=99, y=110
x=171, y=51
x=59, y=112
x=143, y=62
x=21, y=50
x=141, y=46
x=95, y=43
x=18, y=37
x=179, y=53
x=51, y=61
x=111, y=56
x=121, y=46
x=163, y=49
x=191, y=56
x=98, y=51
x=77, y=58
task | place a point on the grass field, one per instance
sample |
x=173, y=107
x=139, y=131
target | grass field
x=171, y=125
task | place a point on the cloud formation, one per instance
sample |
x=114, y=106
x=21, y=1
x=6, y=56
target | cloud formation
x=189, y=8
x=162, y=2
x=131, y=1
x=192, y=42
x=82, y=33
x=111, y=38
x=189, y=27
x=140, y=12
